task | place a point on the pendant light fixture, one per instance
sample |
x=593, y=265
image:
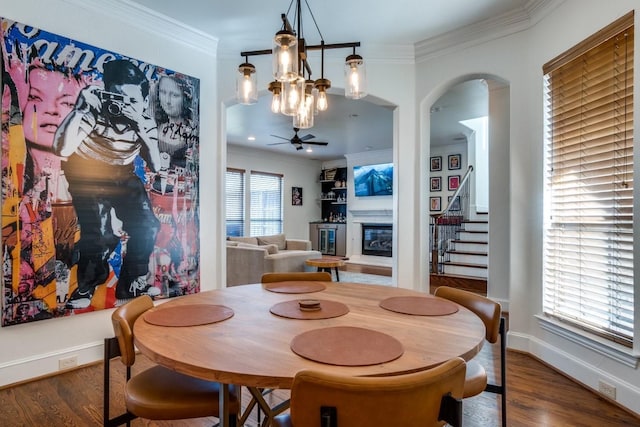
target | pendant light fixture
x=355, y=83
x=246, y=84
x=292, y=93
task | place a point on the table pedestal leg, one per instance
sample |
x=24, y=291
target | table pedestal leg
x=257, y=397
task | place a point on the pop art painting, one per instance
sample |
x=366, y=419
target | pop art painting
x=99, y=177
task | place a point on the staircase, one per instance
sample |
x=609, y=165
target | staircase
x=465, y=261
x=466, y=254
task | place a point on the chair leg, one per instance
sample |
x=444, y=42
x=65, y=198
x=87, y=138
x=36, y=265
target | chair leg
x=503, y=370
x=502, y=388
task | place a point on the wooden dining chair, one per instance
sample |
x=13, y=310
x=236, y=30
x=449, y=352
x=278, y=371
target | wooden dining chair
x=425, y=398
x=157, y=393
x=491, y=315
x=319, y=276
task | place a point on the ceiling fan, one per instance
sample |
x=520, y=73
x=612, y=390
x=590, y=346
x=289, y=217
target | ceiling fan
x=297, y=141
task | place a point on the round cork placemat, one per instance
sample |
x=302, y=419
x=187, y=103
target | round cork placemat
x=347, y=346
x=291, y=309
x=295, y=287
x=419, y=306
x=188, y=315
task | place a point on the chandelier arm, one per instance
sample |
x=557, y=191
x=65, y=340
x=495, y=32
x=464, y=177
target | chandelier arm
x=309, y=47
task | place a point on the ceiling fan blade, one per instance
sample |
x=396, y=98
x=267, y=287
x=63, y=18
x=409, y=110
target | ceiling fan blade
x=281, y=137
x=307, y=137
x=316, y=142
x=278, y=143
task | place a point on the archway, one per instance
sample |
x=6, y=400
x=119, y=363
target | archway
x=498, y=176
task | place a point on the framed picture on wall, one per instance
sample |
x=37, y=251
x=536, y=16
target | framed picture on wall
x=436, y=183
x=296, y=196
x=436, y=164
x=434, y=203
x=454, y=182
x=455, y=161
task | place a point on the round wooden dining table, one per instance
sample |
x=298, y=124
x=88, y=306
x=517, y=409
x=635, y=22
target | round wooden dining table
x=253, y=347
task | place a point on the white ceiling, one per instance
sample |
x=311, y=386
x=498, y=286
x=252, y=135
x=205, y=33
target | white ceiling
x=349, y=126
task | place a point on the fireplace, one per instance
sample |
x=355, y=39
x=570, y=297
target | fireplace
x=377, y=239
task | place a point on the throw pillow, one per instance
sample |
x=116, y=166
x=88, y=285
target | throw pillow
x=271, y=249
x=276, y=239
x=250, y=240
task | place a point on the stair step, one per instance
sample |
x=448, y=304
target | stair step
x=465, y=269
x=476, y=226
x=470, y=247
x=465, y=264
x=481, y=236
x=477, y=258
x=459, y=252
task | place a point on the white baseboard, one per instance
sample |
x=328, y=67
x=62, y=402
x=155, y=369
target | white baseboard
x=627, y=394
x=40, y=365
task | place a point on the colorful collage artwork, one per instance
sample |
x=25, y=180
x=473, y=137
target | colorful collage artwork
x=100, y=166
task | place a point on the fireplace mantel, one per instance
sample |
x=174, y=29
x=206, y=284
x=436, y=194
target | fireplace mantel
x=367, y=213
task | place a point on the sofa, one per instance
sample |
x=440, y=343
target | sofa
x=249, y=257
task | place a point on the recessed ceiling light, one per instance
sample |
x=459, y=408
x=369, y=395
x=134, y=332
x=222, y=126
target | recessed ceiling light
x=251, y=138
x=309, y=150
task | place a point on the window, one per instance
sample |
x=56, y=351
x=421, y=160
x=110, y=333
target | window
x=588, y=241
x=266, y=204
x=235, y=202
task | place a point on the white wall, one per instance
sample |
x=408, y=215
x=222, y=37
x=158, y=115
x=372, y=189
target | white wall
x=33, y=349
x=297, y=172
x=518, y=192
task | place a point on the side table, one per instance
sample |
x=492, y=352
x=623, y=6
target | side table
x=326, y=264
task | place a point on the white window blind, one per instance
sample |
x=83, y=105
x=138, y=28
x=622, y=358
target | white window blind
x=235, y=202
x=588, y=241
x=266, y=203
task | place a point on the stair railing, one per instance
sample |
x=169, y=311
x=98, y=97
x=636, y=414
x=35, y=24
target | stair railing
x=446, y=224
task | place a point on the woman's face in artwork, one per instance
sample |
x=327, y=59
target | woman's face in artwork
x=171, y=97
x=52, y=95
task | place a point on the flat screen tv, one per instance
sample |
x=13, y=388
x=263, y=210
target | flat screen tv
x=373, y=180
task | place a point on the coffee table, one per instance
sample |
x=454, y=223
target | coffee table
x=326, y=264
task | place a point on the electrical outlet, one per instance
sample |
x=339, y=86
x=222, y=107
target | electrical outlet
x=607, y=389
x=67, y=362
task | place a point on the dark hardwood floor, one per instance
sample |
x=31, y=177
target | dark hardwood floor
x=537, y=396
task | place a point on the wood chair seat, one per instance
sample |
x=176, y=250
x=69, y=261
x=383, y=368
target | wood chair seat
x=157, y=393
x=161, y=394
x=475, y=380
x=490, y=313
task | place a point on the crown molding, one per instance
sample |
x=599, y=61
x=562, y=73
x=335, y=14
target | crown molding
x=153, y=22
x=487, y=30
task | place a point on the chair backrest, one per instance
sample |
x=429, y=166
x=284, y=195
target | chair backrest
x=320, y=276
x=123, y=319
x=404, y=400
x=487, y=310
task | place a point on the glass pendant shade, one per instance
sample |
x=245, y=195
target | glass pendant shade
x=292, y=94
x=355, y=77
x=285, y=56
x=246, y=84
x=321, y=99
x=276, y=99
x=304, y=116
